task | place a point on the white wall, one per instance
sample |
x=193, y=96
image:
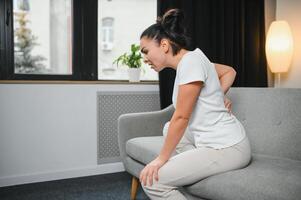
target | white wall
x=290, y=11
x=49, y=131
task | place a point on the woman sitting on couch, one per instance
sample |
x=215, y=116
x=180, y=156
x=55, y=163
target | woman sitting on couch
x=202, y=137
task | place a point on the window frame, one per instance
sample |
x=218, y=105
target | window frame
x=84, y=43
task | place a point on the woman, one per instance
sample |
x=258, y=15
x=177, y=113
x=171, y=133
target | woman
x=202, y=137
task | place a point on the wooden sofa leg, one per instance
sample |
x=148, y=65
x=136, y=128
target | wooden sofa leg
x=135, y=184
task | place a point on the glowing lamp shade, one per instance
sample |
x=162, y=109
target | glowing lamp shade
x=279, y=46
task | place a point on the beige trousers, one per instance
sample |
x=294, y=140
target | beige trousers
x=189, y=164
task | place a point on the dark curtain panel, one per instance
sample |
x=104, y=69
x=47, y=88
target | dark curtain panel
x=230, y=32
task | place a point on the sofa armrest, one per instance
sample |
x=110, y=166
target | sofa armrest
x=142, y=124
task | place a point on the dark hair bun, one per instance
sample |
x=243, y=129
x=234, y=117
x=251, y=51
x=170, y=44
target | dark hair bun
x=173, y=21
x=171, y=26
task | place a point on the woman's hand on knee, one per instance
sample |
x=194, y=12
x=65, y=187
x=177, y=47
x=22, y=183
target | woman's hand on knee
x=150, y=171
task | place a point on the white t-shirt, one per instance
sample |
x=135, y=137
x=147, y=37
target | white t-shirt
x=210, y=124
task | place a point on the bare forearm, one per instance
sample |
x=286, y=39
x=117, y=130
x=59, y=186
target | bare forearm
x=226, y=80
x=226, y=75
x=176, y=130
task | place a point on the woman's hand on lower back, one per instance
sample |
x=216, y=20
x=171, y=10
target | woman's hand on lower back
x=228, y=104
x=150, y=171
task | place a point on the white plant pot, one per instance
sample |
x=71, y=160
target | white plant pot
x=134, y=74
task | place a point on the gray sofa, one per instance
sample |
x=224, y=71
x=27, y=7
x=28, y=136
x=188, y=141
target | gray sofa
x=272, y=119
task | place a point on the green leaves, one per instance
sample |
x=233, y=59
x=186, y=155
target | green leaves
x=134, y=48
x=132, y=60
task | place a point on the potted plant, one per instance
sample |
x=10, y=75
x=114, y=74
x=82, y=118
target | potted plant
x=133, y=61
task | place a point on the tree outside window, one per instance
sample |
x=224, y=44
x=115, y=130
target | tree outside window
x=25, y=41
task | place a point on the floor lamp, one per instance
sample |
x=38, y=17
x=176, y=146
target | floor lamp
x=279, y=49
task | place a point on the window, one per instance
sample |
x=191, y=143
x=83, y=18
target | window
x=107, y=34
x=118, y=30
x=70, y=39
x=42, y=37
x=48, y=40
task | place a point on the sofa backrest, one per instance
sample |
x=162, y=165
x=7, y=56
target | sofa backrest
x=272, y=119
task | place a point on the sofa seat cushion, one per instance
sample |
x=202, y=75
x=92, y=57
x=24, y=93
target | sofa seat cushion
x=144, y=149
x=266, y=177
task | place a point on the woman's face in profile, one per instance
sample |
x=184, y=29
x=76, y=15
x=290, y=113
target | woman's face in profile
x=153, y=54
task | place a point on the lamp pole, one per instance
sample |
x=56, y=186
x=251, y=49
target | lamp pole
x=277, y=80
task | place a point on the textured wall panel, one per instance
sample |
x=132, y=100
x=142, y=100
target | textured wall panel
x=110, y=106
